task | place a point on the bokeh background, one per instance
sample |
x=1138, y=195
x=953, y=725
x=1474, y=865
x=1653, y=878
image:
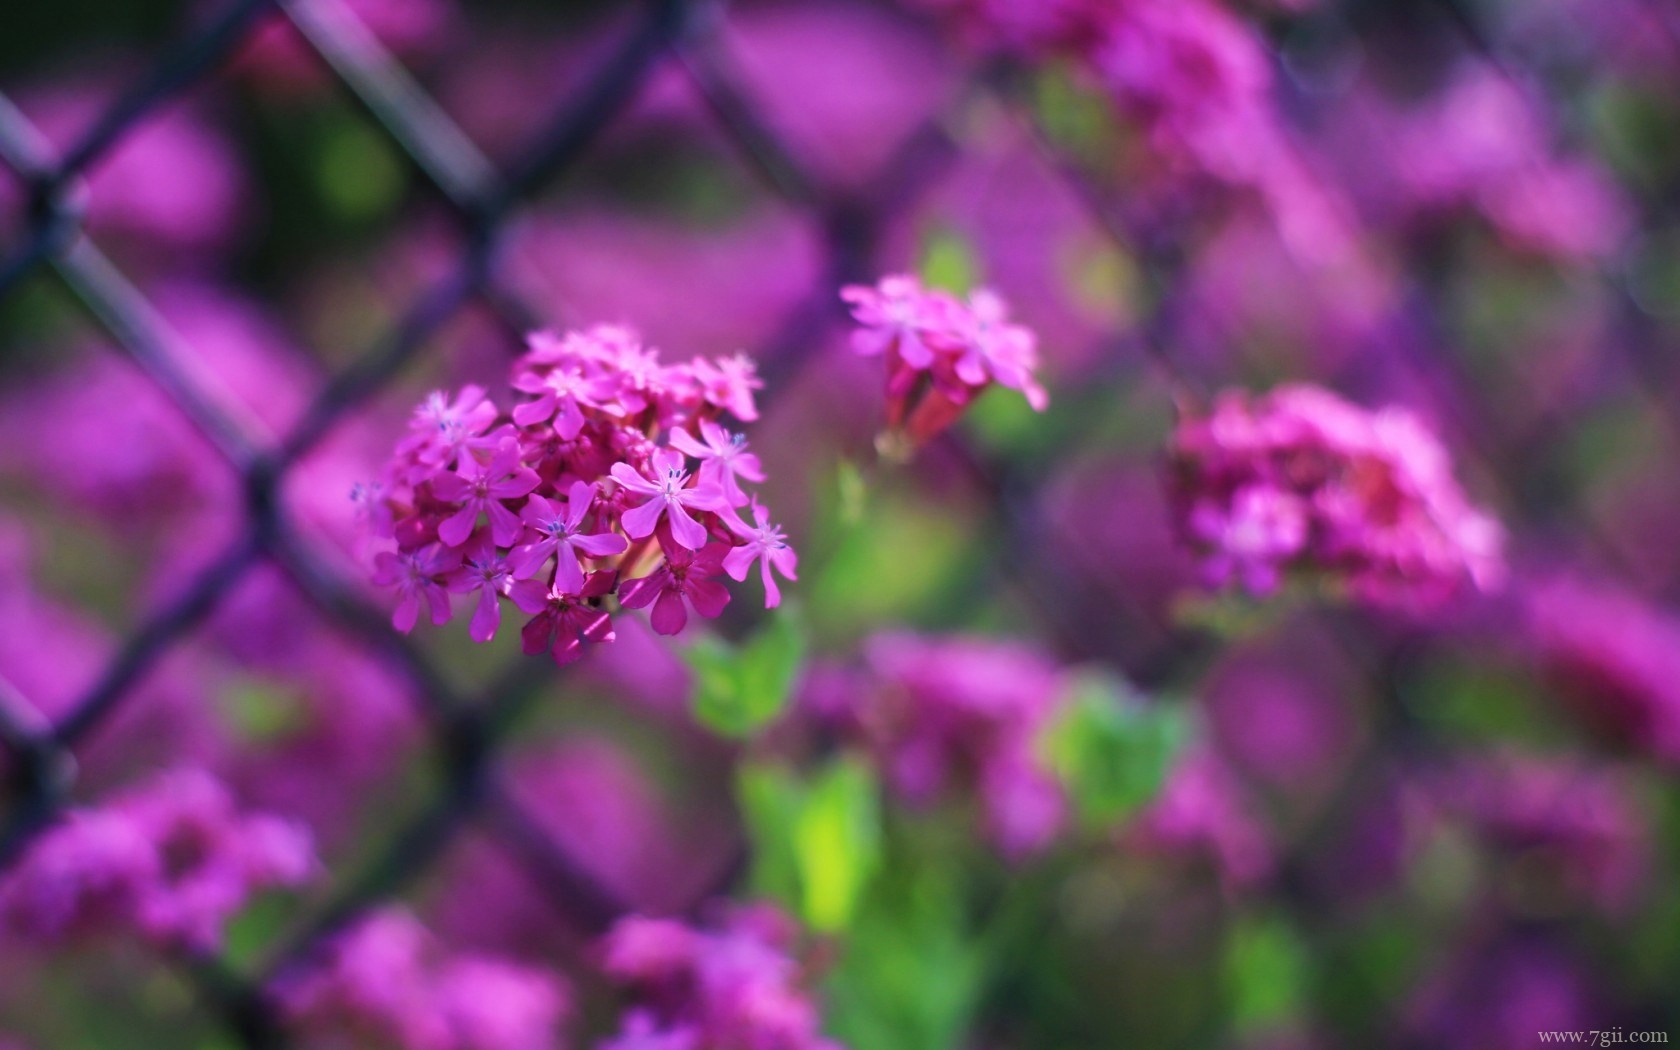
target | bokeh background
x=239, y=242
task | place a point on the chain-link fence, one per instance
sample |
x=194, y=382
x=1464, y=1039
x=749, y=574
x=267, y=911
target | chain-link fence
x=468, y=733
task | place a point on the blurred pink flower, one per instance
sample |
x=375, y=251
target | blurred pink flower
x=1301, y=478
x=1614, y=658
x=386, y=979
x=172, y=860
x=732, y=985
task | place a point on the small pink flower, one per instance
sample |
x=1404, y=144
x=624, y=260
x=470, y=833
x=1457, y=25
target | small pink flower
x=564, y=619
x=562, y=395
x=669, y=496
x=557, y=535
x=723, y=459
x=480, y=488
x=685, y=574
x=442, y=430
x=729, y=383
x=417, y=574
x=1263, y=529
x=372, y=512
x=894, y=315
x=483, y=569
x=994, y=349
x=767, y=545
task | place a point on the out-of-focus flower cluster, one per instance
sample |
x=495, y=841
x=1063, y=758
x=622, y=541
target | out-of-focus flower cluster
x=171, y=861
x=1196, y=79
x=941, y=352
x=972, y=719
x=385, y=982
x=610, y=474
x=1300, y=479
x=737, y=984
x=958, y=715
x=1614, y=659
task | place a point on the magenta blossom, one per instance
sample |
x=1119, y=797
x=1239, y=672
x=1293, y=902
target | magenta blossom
x=728, y=987
x=418, y=575
x=1301, y=479
x=728, y=384
x=995, y=350
x=483, y=569
x=516, y=505
x=564, y=619
x=386, y=981
x=172, y=860
x=480, y=487
x=686, y=574
x=562, y=395
x=767, y=545
x=941, y=353
x=558, y=534
x=895, y=316
x=443, y=429
x=724, y=459
x=669, y=496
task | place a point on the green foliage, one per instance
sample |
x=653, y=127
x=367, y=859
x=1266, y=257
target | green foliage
x=1073, y=119
x=912, y=972
x=816, y=842
x=1111, y=749
x=739, y=689
x=357, y=173
x=1266, y=973
x=263, y=711
x=949, y=261
x=893, y=569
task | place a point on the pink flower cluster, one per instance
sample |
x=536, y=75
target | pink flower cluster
x=1483, y=145
x=957, y=715
x=172, y=860
x=1614, y=658
x=736, y=986
x=1579, y=824
x=385, y=982
x=610, y=474
x=1195, y=79
x=1301, y=479
x=941, y=352
x=1203, y=818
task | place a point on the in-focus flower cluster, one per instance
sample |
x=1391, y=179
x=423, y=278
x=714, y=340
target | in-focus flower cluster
x=730, y=987
x=958, y=714
x=610, y=474
x=172, y=860
x=385, y=982
x=941, y=351
x=1302, y=479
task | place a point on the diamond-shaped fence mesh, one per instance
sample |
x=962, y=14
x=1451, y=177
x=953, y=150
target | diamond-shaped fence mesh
x=851, y=219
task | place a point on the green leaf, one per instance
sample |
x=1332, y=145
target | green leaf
x=263, y=711
x=738, y=690
x=949, y=262
x=816, y=842
x=912, y=975
x=1111, y=749
x=358, y=175
x=837, y=841
x=853, y=491
x=1266, y=970
x=771, y=799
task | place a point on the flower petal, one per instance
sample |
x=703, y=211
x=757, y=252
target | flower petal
x=669, y=615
